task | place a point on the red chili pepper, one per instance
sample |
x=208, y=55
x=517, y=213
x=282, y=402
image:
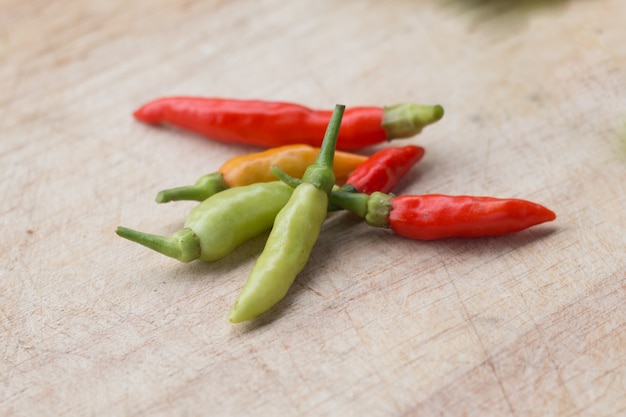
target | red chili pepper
x=382, y=171
x=271, y=124
x=437, y=216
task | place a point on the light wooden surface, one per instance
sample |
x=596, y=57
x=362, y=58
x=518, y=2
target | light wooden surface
x=532, y=324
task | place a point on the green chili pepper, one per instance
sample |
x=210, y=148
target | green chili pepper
x=218, y=225
x=293, y=235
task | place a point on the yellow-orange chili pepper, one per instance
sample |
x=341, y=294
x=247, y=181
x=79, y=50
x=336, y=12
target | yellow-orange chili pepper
x=255, y=167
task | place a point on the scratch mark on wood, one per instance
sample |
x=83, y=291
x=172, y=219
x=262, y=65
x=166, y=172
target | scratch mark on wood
x=488, y=358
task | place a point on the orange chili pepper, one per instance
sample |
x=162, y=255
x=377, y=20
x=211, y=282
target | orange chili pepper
x=255, y=167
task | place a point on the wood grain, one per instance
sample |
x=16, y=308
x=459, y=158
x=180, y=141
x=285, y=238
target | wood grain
x=531, y=324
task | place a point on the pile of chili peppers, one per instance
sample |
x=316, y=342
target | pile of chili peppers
x=290, y=188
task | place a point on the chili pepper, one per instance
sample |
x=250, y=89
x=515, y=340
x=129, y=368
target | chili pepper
x=271, y=124
x=215, y=227
x=383, y=170
x=437, y=216
x=293, y=236
x=255, y=167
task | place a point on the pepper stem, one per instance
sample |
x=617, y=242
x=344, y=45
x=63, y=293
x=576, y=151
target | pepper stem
x=279, y=173
x=183, y=245
x=205, y=187
x=374, y=208
x=320, y=173
x=354, y=202
x=408, y=119
x=378, y=209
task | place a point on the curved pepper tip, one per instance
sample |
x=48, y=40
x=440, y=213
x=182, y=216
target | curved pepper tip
x=547, y=215
x=239, y=315
x=149, y=113
x=233, y=317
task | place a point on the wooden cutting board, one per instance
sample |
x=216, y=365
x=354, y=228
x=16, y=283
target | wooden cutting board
x=531, y=324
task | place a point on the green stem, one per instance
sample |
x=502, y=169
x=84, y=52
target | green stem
x=407, y=119
x=374, y=208
x=378, y=209
x=354, y=202
x=183, y=245
x=205, y=187
x=320, y=173
x=327, y=149
x=284, y=177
